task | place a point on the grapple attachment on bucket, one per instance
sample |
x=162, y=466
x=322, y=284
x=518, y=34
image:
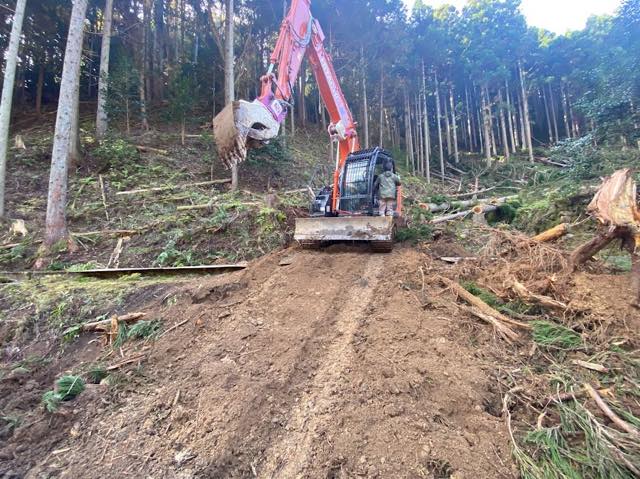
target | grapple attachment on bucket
x=240, y=126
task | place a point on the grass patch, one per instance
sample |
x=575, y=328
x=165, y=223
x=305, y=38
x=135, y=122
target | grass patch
x=96, y=374
x=67, y=388
x=140, y=330
x=580, y=447
x=552, y=335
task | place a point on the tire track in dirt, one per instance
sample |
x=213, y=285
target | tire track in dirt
x=291, y=454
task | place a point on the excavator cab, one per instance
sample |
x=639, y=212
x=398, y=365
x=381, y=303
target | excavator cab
x=357, y=180
x=356, y=218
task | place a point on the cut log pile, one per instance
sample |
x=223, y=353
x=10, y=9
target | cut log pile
x=480, y=207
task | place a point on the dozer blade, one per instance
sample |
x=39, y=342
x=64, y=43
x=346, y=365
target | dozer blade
x=242, y=125
x=379, y=230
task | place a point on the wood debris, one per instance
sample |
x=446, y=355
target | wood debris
x=173, y=187
x=485, y=312
x=552, y=234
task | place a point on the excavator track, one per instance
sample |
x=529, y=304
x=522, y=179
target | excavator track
x=382, y=246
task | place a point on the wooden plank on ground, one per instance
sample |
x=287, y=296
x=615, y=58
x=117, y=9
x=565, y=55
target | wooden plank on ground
x=110, y=273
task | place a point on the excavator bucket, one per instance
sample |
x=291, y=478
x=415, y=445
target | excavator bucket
x=379, y=231
x=240, y=126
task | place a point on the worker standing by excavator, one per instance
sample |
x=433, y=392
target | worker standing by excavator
x=387, y=187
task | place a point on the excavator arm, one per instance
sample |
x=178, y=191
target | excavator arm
x=244, y=125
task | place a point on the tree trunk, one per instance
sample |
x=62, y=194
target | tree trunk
x=447, y=125
x=480, y=122
x=302, y=114
x=148, y=55
x=547, y=113
x=494, y=148
x=408, y=135
x=427, y=136
x=143, y=100
x=381, y=106
x=142, y=86
x=74, y=140
x=56, y=221
x=470, y=138
x=512, y=133
x=102, y=118
x=454, y=122
x=229, y=75
x=525, y=111
x=7, y=93
x=365, y=115
x=439, y=121
x=565, y=111
x=486, y=113
x=554, y=114
x=40, y=88
x=419, y=135
x=503, y=127
x=158, y=50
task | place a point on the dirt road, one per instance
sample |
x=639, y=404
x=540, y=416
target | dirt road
x=335, y=365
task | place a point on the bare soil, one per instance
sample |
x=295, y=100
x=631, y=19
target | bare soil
x=331, y=366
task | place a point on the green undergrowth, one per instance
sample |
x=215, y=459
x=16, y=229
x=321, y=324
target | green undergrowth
x=60, y=304
x=553, y=335
x=140, y=330
x=579, y=447
x=67, y=388
x=573, y=439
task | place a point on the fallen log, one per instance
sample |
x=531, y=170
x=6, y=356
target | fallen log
x=547, y=161
x=433, y=207
x=205, y=206
x=105, y=324
x=107, y=233
x=208, y=206
x=479, y=304
x=150, y=149
x=523, y=293
x=472, y=193
x=453, y=168
x=173, y=187
x=485, y=206
x=502, y=329
x=457, y=259
x=552, y=234
x=451, y=217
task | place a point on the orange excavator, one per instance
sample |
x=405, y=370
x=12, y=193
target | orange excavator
x=347, y=210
